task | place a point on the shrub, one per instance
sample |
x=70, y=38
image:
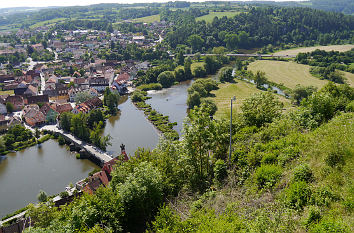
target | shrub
x=303, y=173
x=42, y=196
x=334, y=158
x=137, y=96
x=220, y=170
x=313, y=216
x=323, y=196
x=61, y=140
x=298, y=194
x=150, y=86
x=269, y=158
x=329, y=226
x=64, y=194
x=350, y=107
x=266, y=176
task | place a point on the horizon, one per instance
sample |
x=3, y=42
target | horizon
x=67, y=3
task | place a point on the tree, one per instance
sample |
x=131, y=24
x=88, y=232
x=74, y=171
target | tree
x=65, y=120
x=42, y=196
x=211, y=65
x=180, y=57
x=302, y=92
x=187, y=68
x=97, y=139
x=94, y=117
x=193, y=100
x=82, y=97
x=226, y=74
x=261, y=108
x=166, y=78
x=260, y=79
x=209, y=105
x=196, y=42
x=141, y=194
x=179, y=74
x=37, y=133
x=10, y=107
x=137, y=96
x=79, y=126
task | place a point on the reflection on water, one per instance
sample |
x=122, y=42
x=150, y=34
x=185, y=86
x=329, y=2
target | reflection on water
x=171, y=102
x=49, y=167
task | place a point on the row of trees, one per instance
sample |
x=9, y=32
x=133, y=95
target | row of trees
x=335, y=59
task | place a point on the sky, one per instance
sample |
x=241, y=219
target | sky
x=44, y=3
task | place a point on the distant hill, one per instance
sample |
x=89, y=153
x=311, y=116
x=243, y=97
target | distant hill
x=342, y=6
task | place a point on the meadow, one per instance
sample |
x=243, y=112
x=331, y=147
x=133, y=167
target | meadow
x=241, y=90
x=295, y=51
x=148, y=19
x=209, y=17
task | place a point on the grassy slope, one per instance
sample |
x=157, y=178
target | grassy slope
x=241, y=90
x=209, y=17
x=148, y=19
x=340, y=48
x=349, y=77
x=254, y=207
x=288, y=73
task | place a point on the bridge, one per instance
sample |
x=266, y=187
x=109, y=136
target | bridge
x=241, y=55
x=98, y=155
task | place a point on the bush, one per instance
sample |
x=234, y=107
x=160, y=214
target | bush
x=150, y=86
x=266, y=176
x=329, y=226
x=220, y=170
x=313, y=216
x=42, y=196
x=226, y=74
x=334, y=158
x=137, y=96
x=61, y=140
x=64, y=194
x=303, y=173
x=350, y=107
x=298, y=194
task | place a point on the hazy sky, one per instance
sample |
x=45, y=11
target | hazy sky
x=42, y=3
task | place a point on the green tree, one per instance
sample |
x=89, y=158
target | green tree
x=82, y=97
x=196, y=42
x=180, y=57
x=141, y=193
x=79, y=126
x=166, y=78
x=225, y=74
x=10, y=107
x=187, y=68
x=179, y=74
x=65, y=120
x=302, y=92
x=261, y=108
x=260, y=79
x=193, y=100
x=42, y=196
x=37, y=133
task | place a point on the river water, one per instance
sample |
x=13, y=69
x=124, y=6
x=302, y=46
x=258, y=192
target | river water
x=171, y=102
x=52, y=167
x=131, y=128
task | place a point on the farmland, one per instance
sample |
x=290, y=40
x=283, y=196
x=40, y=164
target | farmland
x=340, y=48
x=209, y=17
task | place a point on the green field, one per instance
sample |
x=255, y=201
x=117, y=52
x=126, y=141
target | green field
x=8, y=92
x=148, y=19
x=48, y=22
x=209, y=17
x=288, y=73
x=295, y=51
x=241, y=90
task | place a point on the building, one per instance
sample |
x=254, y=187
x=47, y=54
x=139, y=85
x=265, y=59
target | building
x=16, y=101
x=50, y=113
x=34, y=117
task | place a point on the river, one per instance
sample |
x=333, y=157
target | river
x=52, y=167
x=171, y=102
x=131, y=128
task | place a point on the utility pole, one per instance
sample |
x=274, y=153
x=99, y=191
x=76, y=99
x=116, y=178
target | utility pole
x=232, y=99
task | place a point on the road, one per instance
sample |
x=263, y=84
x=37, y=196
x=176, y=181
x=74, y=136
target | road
x=42, y=83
